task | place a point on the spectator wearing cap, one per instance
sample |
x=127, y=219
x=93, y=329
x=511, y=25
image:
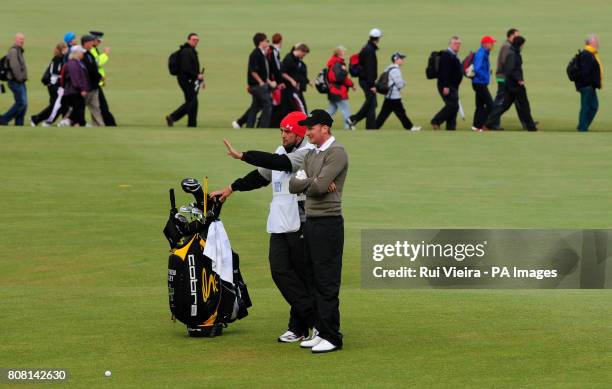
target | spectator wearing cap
x=339, y=84
x=295, y=78
x=480, y=82
x=259, y=82
x=70, y=39
x=322, y=180
x=285, y=220
x=589, y=80
x=17, y=78
x=190, y=80
x=101, y=59
x=515, y=91
x=76, y=86
x=92, y=100
x=449, y=77
x=367, y=81
x=393, y=98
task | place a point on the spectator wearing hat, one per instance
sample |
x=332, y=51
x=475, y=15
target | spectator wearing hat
x=70, y=39
x=101, y=59
x=367, y=81
x=480, y=82
x=285, y=220
x=17, y=78
x=393, y=98
x=590, y=79
x=92, y=100
x=339, y=84
x=295, y=78
x=449, y=77
x=190, y=80
x=76, y=86
x=51, y=78
x=515, y=91
x=322, y=179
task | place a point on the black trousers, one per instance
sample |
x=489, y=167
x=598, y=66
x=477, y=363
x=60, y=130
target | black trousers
x=368, y=109
x=484, y=105
x=261, y=101
x=448, y=113
x=290, y=274
x=46, y=112
x=517, y=96
x=77, y=103
x=190, y=106
x=109, y=119
x=395, y=106
x=324, y=244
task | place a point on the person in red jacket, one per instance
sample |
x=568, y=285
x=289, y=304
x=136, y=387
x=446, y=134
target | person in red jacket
x=339, y=82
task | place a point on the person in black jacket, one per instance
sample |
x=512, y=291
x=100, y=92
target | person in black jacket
x=190, y=79
x=589, y=80
x=92, y=100
x=515, y=91
x=295, y=78
x=367, y=80
x=51, y=78
x=260, y=84
x=450, y=75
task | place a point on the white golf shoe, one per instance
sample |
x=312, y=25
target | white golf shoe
x=235, y=125
x=415, y=128
x=312, y=340
x=324, y=346
x=289, y=337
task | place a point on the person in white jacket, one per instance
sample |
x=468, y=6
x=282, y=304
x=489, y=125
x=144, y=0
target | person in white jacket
x=393, y=98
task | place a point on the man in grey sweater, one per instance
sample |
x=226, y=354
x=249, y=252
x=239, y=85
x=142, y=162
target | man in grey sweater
x=17, y=77
x=499, y=73
x=322, y=180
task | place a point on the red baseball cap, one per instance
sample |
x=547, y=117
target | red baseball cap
x=487, y=39
x=291, y=123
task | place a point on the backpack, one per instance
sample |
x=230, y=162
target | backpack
x=382, y=84
x=433, y=65
x=4, y=69
x=173, y=63
x=573, y=68
x=46, y=77
x=468, y=65
x=322, y=81
x=354, y=65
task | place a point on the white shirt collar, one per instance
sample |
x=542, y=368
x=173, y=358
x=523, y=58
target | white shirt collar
x=325, y=145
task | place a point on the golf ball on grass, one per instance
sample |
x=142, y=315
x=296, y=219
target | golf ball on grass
x=108, y=373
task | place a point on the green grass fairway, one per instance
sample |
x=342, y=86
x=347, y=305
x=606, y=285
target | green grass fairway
x=83, y=265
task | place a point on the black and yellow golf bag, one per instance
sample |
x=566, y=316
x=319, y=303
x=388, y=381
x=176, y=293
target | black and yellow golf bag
x=197, y=294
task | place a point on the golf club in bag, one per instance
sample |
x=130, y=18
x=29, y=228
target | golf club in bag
x=205, y=287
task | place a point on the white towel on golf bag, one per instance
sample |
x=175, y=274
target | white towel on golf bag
x=219, y=250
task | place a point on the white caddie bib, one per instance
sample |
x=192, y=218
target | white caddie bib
x=284, y=214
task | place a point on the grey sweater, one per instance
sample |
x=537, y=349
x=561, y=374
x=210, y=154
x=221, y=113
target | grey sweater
x=16, y=62
x=322, y=169
x=501, y=60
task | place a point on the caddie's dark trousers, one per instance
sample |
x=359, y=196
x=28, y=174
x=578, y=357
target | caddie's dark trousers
x=448, y=113
x=324, y=243
x=395, y=106
x=368, y=109
x=290, y=274
x=261, y=101
x=517, y=96
x=190, y=107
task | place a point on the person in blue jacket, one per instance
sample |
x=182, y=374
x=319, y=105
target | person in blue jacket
x=480, y=82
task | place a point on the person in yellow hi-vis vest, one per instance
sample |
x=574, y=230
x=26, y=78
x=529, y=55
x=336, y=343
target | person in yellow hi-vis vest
x=101, y=59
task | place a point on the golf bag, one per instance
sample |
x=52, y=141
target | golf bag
x=206, y=290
